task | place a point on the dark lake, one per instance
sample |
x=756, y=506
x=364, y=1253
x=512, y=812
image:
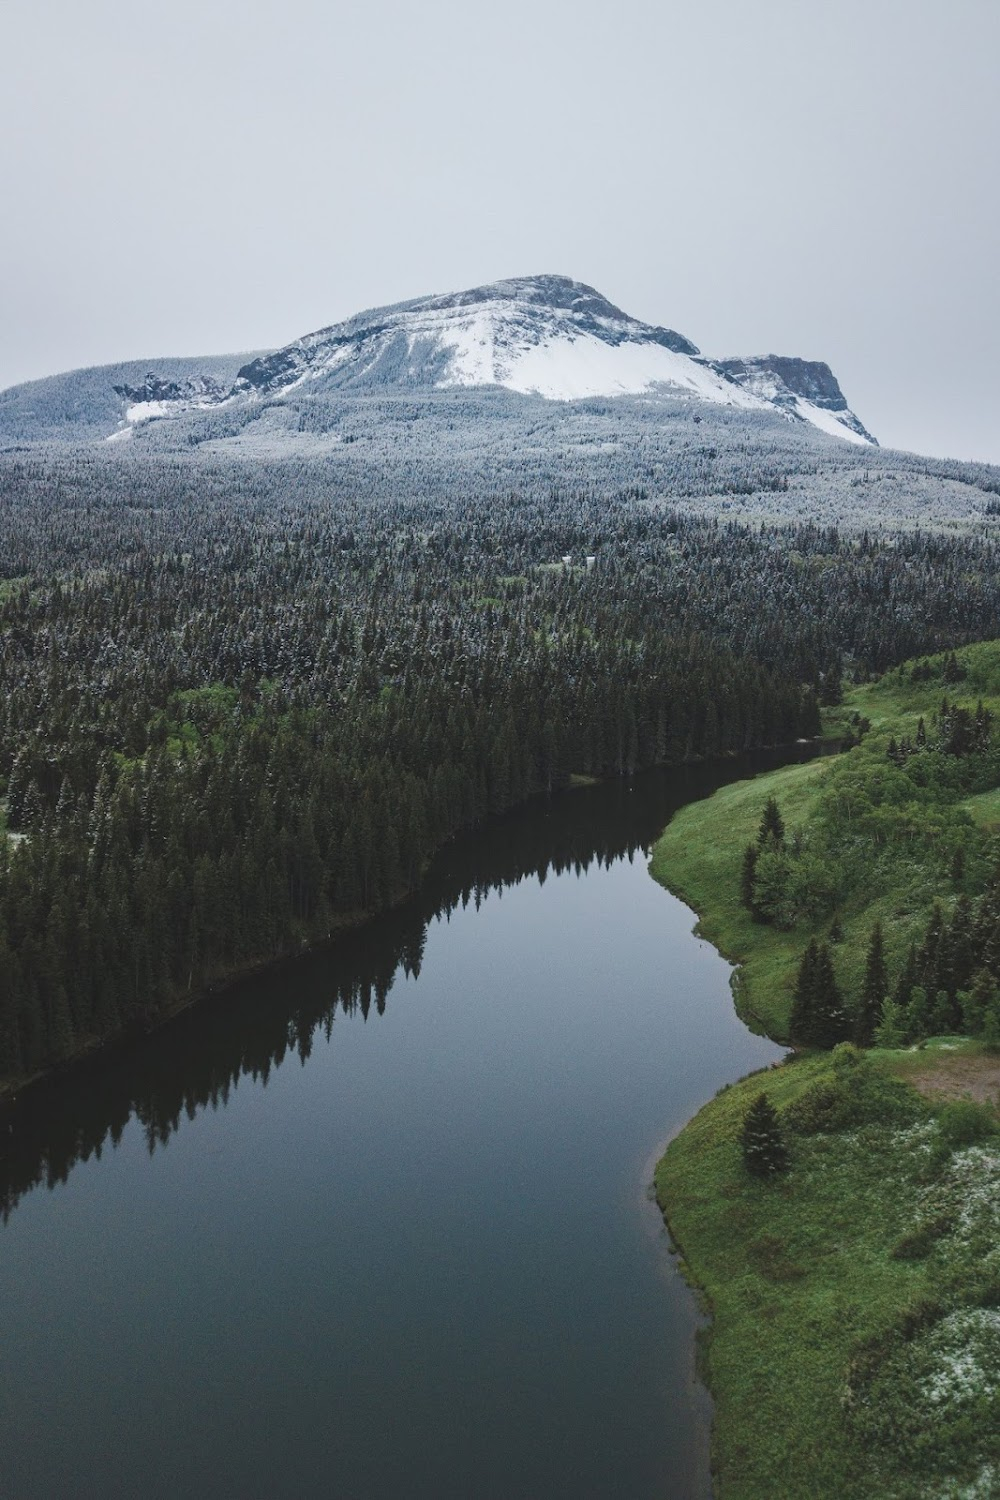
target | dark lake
x=376, y=1224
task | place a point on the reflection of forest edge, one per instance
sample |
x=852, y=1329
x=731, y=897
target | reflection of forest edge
x=252, y=1027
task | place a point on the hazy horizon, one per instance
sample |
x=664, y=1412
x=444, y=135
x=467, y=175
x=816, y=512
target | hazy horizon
x=765, y=180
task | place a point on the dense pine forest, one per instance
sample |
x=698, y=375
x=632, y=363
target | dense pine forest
x=243, y=706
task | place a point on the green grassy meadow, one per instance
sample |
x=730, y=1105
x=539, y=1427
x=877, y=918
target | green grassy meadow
x=831, y=1288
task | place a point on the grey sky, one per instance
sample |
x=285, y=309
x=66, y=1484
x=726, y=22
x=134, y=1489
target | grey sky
x=764, y=175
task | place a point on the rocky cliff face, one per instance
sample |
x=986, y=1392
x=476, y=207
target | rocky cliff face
x=802, y=387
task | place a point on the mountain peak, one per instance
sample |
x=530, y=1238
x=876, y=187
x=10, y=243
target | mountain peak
x=559, y=293
x=544, y=335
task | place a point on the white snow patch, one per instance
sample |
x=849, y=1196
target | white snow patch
x=147, y=411
x=566, y=369
x=828, y=421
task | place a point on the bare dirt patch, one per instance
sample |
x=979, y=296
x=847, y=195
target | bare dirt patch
x=943, y=1075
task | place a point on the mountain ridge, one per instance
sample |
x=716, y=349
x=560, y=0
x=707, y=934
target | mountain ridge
x=546, y=336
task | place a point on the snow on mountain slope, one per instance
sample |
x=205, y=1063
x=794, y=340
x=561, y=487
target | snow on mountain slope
x=803, y=388
x=545, y=336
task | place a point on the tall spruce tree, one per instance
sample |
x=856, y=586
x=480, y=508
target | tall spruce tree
x=874, y=989
x=830, y=1022
x=818, y=1017
x=800, y=1024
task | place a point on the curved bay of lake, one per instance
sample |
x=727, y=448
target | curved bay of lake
x=375, y=1223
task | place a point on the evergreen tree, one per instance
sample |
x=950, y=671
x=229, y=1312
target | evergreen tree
x=772, y=826
x=918, y=1014
x=762, y=1140
x=907, y=979
x=874, y=989
x=800, y=1024
x=977, y=1001
x=942, y=1016
x=830, y=1022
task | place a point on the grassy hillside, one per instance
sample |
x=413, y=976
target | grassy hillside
x=855, y=1344
x=867, y=838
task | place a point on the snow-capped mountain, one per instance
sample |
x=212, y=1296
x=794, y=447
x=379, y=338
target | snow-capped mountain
x=540, y=336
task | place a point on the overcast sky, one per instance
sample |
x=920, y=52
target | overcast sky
x=765, y=176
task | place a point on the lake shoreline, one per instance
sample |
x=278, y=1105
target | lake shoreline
x=821, y=1282
x=92, y=1049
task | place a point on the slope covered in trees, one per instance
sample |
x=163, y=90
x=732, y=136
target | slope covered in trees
x=239, y=707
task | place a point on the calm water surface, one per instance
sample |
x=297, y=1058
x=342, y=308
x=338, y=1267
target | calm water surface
x=376, y=1224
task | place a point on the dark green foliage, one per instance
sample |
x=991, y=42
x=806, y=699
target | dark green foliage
x=239, y=705
x=762, y=1140
x=991, y=1025
x=855, y=1094
x=771, y=833
x=891, y=1029
x=231, y=719
x=963, y=1122
x=818, y=1017
x=874, y=989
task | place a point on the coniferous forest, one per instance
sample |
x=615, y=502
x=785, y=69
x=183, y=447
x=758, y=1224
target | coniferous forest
x=241, y=706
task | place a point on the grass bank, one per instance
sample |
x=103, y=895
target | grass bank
x=855, y=1342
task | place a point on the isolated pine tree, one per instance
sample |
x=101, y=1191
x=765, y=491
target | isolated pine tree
x=762, y=1140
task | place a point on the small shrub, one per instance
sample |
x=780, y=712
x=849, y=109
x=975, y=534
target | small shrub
x=963, y=1122
x=824, y=1106
x=854, y=1093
